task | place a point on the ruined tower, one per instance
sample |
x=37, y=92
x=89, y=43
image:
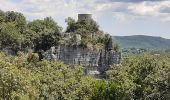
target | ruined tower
x=84, y=17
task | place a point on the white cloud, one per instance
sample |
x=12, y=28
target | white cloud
x=57, y=8
x=6, y=5
x=151, y=9
x=121, y=17
x=144, y=9
x=60, y=9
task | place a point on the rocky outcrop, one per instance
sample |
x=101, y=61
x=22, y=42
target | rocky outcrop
x=95, y=62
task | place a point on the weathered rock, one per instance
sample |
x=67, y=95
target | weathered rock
x=93, y=61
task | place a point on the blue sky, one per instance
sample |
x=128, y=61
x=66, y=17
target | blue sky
x=117, y=17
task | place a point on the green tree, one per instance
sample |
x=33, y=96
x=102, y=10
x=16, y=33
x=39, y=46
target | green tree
x=142, y=77
x=10, y=36
x=46, y=32
x=2, y=16
x=15, y=82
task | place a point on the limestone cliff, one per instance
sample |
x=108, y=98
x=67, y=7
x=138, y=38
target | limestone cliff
x=92, y=60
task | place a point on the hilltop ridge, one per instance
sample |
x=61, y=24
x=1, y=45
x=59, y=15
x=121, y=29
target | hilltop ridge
x=142, y=41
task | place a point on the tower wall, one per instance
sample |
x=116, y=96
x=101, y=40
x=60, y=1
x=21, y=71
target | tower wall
x=84, y=17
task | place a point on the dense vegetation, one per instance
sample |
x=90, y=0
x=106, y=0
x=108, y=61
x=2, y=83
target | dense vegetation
x=143, y=77
x=141, y=41
x=28, y=78
x=40, y=35
x=18, y=34
x=25, y=77
x=91, y=36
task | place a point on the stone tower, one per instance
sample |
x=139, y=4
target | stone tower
x=84, y=17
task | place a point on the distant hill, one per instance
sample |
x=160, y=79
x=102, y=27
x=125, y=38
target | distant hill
x=142, y=41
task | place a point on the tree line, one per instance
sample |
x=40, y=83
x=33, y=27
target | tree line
x=18, y=34
x=25, y=77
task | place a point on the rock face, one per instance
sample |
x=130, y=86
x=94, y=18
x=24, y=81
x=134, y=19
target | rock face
x=95, y=62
